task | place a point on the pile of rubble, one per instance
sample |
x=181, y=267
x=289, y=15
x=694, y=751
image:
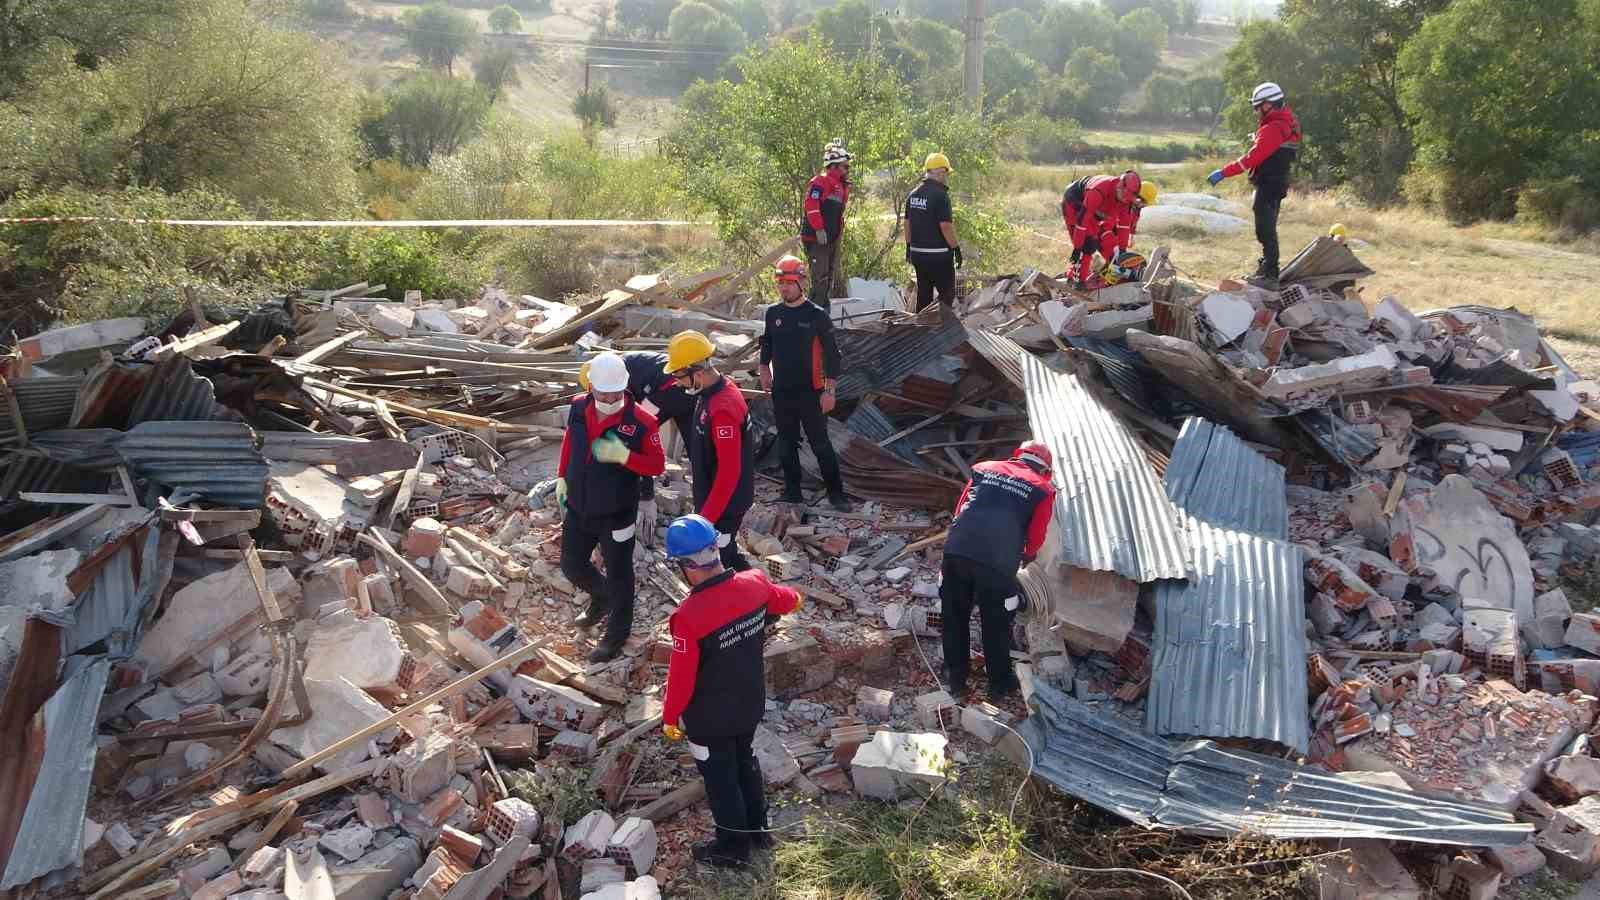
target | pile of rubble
x=284, y=614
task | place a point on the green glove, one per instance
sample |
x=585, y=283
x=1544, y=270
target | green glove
x=611, y=449
x=561, y=493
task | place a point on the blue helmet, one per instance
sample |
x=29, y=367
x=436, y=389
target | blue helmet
x=689, y=535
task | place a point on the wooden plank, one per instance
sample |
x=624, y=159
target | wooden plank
x=413, y=578
x=571, y=675
x=83, y=499
x=41, y=534
x=258, y=577
x=923, y=544
x=194, y=340
x=390, y=426
x=673, y=802
x=515, y=657
x=274, y=825
x=960, y=463
x=402, y=497
x=267, y=556
x=372, y=457
x=160, y=889
x=1396, y=490
x=324, y=349
x=767, y=261
x=308, y=878
x=436, y=416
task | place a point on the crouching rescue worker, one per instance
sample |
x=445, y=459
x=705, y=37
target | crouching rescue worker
x=716, y=686
x=660, y=395
x=800, y=367
x=721, y=451
x=1000, y=523
x=1271, y=155
x=1092, y=207
x=609, y=445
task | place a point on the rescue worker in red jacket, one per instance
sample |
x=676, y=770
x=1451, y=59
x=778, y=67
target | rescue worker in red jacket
x=820, y=227
x=1091, y=207
x=1000, y=523
x=721, y=448
x=1271, y=155
x=800, y=367
x=1128, y=222
x=610, y=443
x=716, y=688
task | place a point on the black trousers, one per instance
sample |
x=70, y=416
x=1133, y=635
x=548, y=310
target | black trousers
x=934, y=270
x=969, y=583
x=1268, y=199
x=797, y=410
x=611, y=592
x=735, y=790
x=820, y=261
x=732, y=558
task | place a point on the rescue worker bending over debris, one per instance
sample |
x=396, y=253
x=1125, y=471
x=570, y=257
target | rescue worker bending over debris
x=1092, y=207
x=1272, y=152
x=609, y=445
x=931, y=245
x=823, y=221
x=721, y=452
x=660, y=395
x=716, y=688
x=800, y=367
x=1000, y=523
x=1128, y=224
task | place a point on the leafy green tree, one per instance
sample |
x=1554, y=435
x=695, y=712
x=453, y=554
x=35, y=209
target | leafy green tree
x=948, y=12
x=92, y=29
x=337, y=10
x=496, y=70
x=429, y=114
x=1140, y=37
x=505, y=19
x=940, y=42
x=752, y=18
x=1205, y=96
x=438, y=34
x=1100, y=74
x=704, y=34
x=644, y=18
x=1165, y=96
x=1166, y=9
x=1012, y=28
x=1010, y=80
x=1061, y=98
x=1065, y=27
x=595, y=108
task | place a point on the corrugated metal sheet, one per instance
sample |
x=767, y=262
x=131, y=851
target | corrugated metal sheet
x=1214, y=476
x=1110, y=508
x=173, y=392
x=1228, y=655
x=1347, y=445
x=1002, y=352
x=217, y=461
x=869, y=422
x=880, y=360
x=51, y=835
x=112, y=608
x=873, y=473
x=86, y=448
x=1323, y=263
x=1199, y=787
x=45, y=403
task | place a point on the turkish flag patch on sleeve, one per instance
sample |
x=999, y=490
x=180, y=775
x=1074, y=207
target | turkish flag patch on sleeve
x=724, y=432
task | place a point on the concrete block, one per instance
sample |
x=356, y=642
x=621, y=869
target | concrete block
x=369, y=653
x=466, y=847
x=1369, y=872
x=936, y=710
x=203, y=609
x=423, y=538
x=1453, y=531
x=245, y=675
x=511, y=817
x=422, y=768
x=378, y=873
x=578, y=746
x=633, y=845
x=588, y=837
x=349, y=842
x=1573, y=777
x=1551, y=611
x=873, y=703
x=1584, y=632
x=984, y=721
x=1468, y=879
x=1373, y=367
x=194, y=876
x=220, y=887
x=892, y=763
x=1515, y=862
x=794, y=665
x=106, y=334
x=340, y=708
x=391, y=319
x=778, y=764
x=374, y=811
x=555, y=705
x=598, y=873
x=264, y=868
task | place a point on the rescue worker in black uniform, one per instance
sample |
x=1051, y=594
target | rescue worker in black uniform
x=609, y=445
x=800, y=368
x=1000, y=523
x=931, y=245
x=721, y=448
x=660, y=395
x=716, y=686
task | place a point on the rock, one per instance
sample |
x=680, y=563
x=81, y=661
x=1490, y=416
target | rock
x=1573, y=777
x=1517, y=861
x=778, y=765
x=890, y=763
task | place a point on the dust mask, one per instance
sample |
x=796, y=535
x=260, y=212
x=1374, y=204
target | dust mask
x=608, y=409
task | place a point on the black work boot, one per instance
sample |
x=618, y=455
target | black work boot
x=591, y=616
x=609, y=649
x=792, y=495
x=838, y=500
x=724, y=852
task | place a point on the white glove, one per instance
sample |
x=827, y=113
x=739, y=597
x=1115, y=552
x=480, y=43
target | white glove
x=1012, y=602
x=645, y=526
x=822, y=237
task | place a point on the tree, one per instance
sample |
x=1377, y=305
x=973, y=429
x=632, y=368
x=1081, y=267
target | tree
x=752, y=18
x=1165, y=96
x=949, y=12
x=644, y=18
x=1167, y=10
x=595, y=109
x=1065, y=27
x=1012, y=28
x=431, y=114
x=1100, y=74
x=337, y=10
x=504, y=19
x=940, y=42
x=1188, y=15
x=1205, y=96
x=705, y=35
x=496, y=70
x=1140, y=37
x=438, y=34
x=1009, y=80
x=93, y=29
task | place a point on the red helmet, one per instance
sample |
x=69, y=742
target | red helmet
x=1037, y=453
x=790, y=268
x=1131, y=182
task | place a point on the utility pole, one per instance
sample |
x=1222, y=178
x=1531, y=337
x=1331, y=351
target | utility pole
x=972, y=80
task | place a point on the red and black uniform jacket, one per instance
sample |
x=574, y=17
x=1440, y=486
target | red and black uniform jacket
x=1090, y=209
x=1272, y=149
x=606, y=495
x=799, y=345
x=716, y=686
x=648, y=381
x=826, y=197
x=1002, y=516
x=1127, y=227
x=722, y=453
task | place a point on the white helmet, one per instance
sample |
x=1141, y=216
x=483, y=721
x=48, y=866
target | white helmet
x=835, y=153
x=1266, y=92
x=607, y=372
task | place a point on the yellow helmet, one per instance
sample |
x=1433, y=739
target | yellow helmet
x=936, y=161
x=1337, y=231
x=688, y=348
x=583, y=376
x=1148, y=193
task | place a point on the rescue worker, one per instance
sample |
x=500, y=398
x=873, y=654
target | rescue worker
x=716, y=688
x=800, y=367
x=1092, y=207
x=826, y=197
x=1271, y=154
x=1128, y=224
x=931, y=245
x=609, y=445
x=658, y=394
x=1000, y=523
x=721, y=448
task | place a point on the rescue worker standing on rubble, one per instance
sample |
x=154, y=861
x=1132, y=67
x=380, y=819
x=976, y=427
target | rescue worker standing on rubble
x=660, y=395
x=1000, y=523
x=1271, y=154
x=716, y=686
x=1092, y=207
x=609, y=445
x=930, y=232
x=800, y=367
x=721, y=450
x=823, y=219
